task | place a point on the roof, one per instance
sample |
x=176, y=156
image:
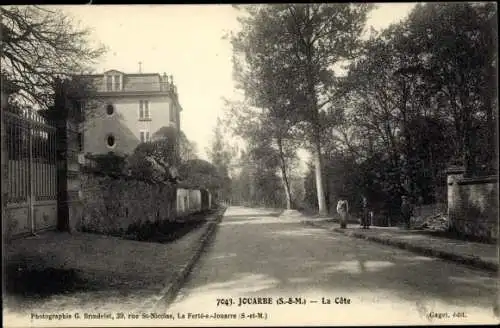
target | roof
x=135, y=82
x=111, y=71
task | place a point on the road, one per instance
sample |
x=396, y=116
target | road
x=259, y=256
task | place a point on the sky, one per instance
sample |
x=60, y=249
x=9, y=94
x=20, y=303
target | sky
x=185, y=41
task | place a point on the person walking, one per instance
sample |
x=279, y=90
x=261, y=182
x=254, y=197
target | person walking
x=365, y=216
x=343, y=211
x=406, y=211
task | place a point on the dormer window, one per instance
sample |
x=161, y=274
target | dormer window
x=114, y=82
x=109, y=83
x=118, y=84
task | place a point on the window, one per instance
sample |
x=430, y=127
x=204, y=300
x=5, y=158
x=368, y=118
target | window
x=110, y=141
x=80, y=141
x=144, y=136
x=171, y=113
x=144, y=109
x=110, y=109
x=113, y=82
x=109, y=83
x=82, y=107
x=117, y=83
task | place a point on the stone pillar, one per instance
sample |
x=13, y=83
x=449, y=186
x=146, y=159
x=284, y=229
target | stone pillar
x=70, y=206
x=453, y=175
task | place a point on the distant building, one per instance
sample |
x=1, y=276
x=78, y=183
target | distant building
x=131, y=108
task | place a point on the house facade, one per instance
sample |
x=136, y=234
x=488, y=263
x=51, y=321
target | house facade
x=130, y=109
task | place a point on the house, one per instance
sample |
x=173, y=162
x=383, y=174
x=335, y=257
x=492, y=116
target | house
x=130, y=109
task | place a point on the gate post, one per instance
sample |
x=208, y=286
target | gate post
x=69, y=203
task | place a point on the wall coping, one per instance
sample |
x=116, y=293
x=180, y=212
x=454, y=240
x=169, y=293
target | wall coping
x=479, y=180
x=125, y=177
x=455, y=169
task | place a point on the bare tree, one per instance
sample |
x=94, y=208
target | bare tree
x=38, y=45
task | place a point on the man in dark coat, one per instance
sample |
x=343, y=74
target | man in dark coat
x=365, y=216
x=406, y=211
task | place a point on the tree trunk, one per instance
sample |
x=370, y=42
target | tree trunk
x=468, y=142
x=284, y=176
x=311, y=80
x=323, y=211
x=490, y=114
x=320, y=191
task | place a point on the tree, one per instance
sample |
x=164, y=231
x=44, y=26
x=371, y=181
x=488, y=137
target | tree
x=157, y=159
x=187, y=148
x=455, y=44
x=257, y=183
x=418, y=97
x=38, y=45
x=165, y=146
x=270, y=140
x=198, y=173
x=220, y=154
x=303, y=42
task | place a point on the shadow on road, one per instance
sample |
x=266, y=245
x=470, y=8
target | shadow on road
x=256, y=215
x=275, y=258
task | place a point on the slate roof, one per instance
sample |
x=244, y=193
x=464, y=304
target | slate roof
x=137, y=82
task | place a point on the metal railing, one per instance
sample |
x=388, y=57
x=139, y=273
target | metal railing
x=31, y=148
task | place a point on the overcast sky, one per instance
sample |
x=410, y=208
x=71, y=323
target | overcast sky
x=184, y=41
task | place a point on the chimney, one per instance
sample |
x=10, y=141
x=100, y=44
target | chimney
x=164, y=82
x=171, y=79
x=140, y=67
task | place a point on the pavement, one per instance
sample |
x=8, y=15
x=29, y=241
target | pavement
x=479, y=255
x=89, y=273
x=311, y=276
x=250, y=255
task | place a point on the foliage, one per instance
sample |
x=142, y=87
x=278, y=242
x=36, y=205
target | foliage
x=38, y=45
x=187, y=148
x=143, y=164
x=107, y=164
x=270, y=145
x=220, y=154
x=257, y=183
x=157, y=159
x=198, y=173
x=163, y=231
x=288, y=52
x=417, y=98
x=456, y=44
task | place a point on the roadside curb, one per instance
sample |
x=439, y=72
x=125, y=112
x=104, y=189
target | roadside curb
x=472, y=261
x=169, y=292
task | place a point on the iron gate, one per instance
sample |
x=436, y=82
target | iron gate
x=32, y=172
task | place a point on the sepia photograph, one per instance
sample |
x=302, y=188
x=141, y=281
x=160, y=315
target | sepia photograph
x=294, y=164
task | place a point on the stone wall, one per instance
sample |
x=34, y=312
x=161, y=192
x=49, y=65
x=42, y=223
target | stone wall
x=473, y=205
x=188, y=201
x=112, y=204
